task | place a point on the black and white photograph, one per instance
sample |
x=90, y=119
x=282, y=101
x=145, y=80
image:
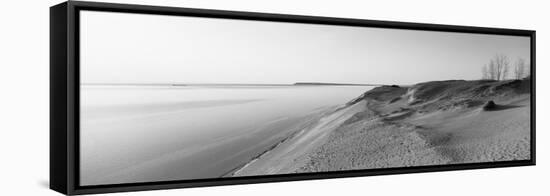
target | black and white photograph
x=274, y=98
x=166, y=98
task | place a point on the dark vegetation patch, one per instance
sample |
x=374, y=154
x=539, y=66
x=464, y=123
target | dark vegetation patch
x=395, y=99
x=381, y=93
x=517, y=86
x=468, y=93
x=448, y=94
x=385, y=93
x=468, y=103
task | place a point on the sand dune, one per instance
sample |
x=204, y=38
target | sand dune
x=433, y=123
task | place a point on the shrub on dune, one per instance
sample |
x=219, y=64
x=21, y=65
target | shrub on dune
x=490, y=105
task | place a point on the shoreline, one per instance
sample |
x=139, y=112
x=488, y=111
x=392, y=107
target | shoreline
x=314, y=117
x=287, y=152
x=257, y=157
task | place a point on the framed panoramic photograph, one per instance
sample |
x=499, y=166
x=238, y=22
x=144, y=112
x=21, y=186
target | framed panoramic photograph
x=147, y=97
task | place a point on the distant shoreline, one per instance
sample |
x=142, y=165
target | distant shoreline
x=331, y=84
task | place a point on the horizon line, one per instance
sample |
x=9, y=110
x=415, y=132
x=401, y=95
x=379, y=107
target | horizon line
x=236, y=84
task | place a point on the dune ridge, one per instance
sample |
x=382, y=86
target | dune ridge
x=431, y=123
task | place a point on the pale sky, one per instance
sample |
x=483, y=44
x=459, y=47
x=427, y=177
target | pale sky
x=142, y=48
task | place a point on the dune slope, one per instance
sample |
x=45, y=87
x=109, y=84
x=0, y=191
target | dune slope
x=432, y=123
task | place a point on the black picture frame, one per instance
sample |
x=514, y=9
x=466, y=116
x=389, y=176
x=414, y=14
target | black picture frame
x=64, y=95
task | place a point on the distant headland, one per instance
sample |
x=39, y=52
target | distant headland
x=332, y=84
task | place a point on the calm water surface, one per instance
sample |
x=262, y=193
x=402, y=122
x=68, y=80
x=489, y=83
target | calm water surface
x=158, y=133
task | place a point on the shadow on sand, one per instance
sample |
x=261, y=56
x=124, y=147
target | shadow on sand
x=501, y=107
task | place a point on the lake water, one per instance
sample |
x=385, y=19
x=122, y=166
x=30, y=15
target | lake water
x=159, y=133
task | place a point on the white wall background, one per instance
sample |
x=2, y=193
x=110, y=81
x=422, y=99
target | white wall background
x=24, y=98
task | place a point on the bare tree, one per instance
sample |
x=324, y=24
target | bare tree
x=505, y=71
x=519, y=69
x=498, y=68
x=492, y=70
x=485, y=73
x=489, y=71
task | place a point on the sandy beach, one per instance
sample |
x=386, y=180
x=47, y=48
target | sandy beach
x=432, y=123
